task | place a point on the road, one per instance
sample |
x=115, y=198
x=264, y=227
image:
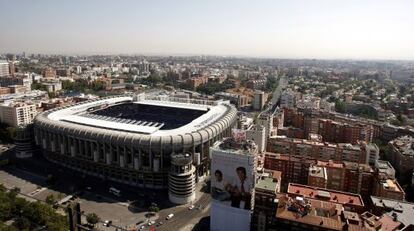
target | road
x=191, y=217
x=278, y=92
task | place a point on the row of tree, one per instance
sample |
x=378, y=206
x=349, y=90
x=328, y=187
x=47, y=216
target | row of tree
x=28, y=215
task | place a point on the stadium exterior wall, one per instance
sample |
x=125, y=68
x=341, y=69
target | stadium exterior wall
x=130, y=158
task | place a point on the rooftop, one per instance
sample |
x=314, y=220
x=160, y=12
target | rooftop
x=239, y=146
x=404, y=145
x=317, y=171
x=309, y=211
x=325, y=194
x=404, y=211
x=267, y=182
x=143, y=114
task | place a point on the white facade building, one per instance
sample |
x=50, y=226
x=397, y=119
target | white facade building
x=288, y=98
x=17, y=114
x=4, y=68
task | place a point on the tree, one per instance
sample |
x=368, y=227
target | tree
x=154, y=208
x=22, y=223
x=50, y=199
x=340, y=106
x=92, y=218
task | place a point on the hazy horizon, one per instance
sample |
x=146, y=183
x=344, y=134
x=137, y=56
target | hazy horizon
x=298, y=29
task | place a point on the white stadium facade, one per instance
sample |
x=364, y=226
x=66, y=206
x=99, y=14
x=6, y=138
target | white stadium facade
x=134, y=139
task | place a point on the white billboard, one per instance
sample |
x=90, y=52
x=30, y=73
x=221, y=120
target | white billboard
x=232, y=190
x=232, y=179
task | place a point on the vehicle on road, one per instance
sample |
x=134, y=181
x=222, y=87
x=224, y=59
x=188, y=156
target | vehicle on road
x=151, y=223
x=191, y=207
x=142, y=228
x=107, y=223
x=169, y=216
x=115, y=191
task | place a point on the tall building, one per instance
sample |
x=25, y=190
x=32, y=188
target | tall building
x=4, y=68
x=233, y=164
x=402, y=153
x=17, y=114
x=11, y=68
x=265, y=200
x=259, y=100
x=293, y=168
x=386, y=185
x=288, y=98
x=257, y=133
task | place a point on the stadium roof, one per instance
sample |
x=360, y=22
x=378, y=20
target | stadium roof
x=78, y=114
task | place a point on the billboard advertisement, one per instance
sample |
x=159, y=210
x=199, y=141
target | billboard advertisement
x=232, y=179
x=232, y=190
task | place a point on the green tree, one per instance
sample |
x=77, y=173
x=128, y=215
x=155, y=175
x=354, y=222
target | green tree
x=154, y=208
x=22, y=223
x=92, y=218
x=38, y=86
x=50, y=199
x=26, y=213
x=340, y=106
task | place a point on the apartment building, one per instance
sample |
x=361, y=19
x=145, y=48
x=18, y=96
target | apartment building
x=17, y=114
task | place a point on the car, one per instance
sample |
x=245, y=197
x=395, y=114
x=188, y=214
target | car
x=107, y=223
x=191, y=207
x=142, y=227
x=151, y=223
x=159, y=223
x=89, y=188
x=169, y=216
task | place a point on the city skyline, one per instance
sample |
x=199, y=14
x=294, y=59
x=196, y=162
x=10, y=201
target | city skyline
x=285, y=29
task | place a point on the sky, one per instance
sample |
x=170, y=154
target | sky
x=321, y=29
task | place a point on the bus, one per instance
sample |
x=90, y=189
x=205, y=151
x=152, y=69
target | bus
x=115, y=191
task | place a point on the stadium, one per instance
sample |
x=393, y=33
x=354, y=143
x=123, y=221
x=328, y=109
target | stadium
x=132, y=139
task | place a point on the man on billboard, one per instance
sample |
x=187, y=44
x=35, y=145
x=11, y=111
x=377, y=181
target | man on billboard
x=241, y=196
x=220, y=188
